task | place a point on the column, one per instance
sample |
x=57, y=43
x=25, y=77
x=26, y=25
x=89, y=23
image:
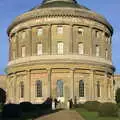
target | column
x=15, y=81
x=49, y=40
x=92, y=86
x=105, y=87
x=7, y=91
x=49, y=82
x=71, y=40
x=29, y=41
x=112, y=89
x=72, y=83
x=27, y=86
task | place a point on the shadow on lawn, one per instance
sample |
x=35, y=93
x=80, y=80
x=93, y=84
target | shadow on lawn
x=27, y=111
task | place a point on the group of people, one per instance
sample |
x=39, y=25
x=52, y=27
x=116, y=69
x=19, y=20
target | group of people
x=56, y=102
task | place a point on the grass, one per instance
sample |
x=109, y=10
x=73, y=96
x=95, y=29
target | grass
x=93, y=115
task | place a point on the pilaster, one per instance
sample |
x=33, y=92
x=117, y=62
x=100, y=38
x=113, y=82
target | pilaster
x=92, y=86
x=28, y=86
x=49, y=82
x=105, y=87
x=72, y=83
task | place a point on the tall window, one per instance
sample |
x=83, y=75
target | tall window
x=22, y=89
x=97, y=50
x=106, y=54
x=60, y=30
x=80, y=31
x=39, y=49
x=81, y=88
x=59, y=88
x=23, y=51
x=80, y=49
x=60, y=48
x=38, y=88
x=39, y=31
x=98, y=89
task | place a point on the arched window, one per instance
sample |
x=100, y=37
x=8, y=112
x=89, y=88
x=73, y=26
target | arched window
x=98, y=89
x=59, y=88
x=21, y=89
x=81, y=88
x=38, y=88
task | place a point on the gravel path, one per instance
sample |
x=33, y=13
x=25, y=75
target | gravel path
x=62, y=115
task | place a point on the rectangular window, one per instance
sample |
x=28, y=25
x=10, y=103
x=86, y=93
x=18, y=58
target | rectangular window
x=39, y=49
x=60, y=30
x=97, y=50
x=39, y=31
x=23, y=51
x=60, y=48
x=80, y=49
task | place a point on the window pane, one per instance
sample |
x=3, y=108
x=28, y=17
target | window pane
x=98, y=89
x=39, y=49
x=81, y=88
x=80, y=48
x=21, y=89
x=60, y=48
x=38, y=88
x=59, y=88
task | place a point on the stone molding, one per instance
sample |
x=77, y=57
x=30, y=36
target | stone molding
x=64, y=12
x=54, y=20
x=60, y=59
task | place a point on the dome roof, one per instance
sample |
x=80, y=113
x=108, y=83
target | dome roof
x=55, y=8
x=59, y=3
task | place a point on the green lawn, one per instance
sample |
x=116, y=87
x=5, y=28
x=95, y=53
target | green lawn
x=93, y=115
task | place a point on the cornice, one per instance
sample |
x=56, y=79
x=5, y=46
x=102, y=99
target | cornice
x=46, y=59
x=64, y=12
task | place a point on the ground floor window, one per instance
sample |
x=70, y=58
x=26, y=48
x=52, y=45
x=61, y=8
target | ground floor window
x=22, y=89
x=38, y=88
x=98, y=89
x=81, y=88
x=59, y=88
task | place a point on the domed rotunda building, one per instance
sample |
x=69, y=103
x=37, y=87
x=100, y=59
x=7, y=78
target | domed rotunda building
x=60, y=49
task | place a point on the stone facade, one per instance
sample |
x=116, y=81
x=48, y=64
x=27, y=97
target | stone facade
x=3, y=82
x=90, y=63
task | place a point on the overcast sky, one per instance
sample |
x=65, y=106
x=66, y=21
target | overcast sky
x=9, y=9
